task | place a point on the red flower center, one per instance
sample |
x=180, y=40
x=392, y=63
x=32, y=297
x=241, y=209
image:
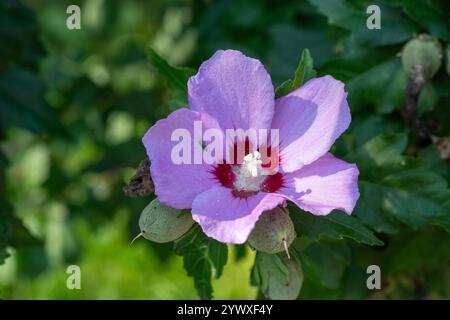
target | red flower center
x=250, y=172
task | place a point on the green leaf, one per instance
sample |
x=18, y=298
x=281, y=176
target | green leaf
x=22, y=103
x=202, y=256
x=240, y=251
x=428, y=98
x=369, y=209
x=415, y=197
x=20, y=31
x=305, y=71
x=218, y=254
x=13, y=233
x=3, y=244
x=277, y=276
x=380, y=151
x=345, y=69
x=365, y=127
x=334, y=269
x=268, y=265
x=288, y=39
x=382, y=86
x=336, y=225
x=430, y=14
x=12, y=230
x=325, y=262
x=176, y=78
x=410, y=251
x=398, y=188
x=352, y=16
x=431, y=156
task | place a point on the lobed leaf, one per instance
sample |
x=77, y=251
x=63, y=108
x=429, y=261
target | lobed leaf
x=202, y=255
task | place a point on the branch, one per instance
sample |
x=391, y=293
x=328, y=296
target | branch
x=410, y=107
x=410, y=113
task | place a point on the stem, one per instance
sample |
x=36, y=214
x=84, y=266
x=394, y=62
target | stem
x=137, y=237
x=286, y=249
x=410, y=107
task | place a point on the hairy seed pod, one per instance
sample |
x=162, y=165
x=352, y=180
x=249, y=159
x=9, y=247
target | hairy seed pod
x=290, y=290
x=273, y=232
x=424, y=51
x=160, y=223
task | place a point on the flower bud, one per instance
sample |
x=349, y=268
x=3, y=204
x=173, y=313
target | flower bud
x=424, y=51
x=161, y=223
x=273, y=232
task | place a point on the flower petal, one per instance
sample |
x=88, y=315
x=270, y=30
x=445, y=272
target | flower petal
x=309, y=120
x=176, y=185
x=234, y=89
x=227, y=218
x=324, y=185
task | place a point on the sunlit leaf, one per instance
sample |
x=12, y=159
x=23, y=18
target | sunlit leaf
x=305, y=71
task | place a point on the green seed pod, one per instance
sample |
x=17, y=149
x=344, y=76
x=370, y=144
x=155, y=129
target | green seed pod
x=278, y=290
x=160, y=223
x=273, y=232
x=424, y=51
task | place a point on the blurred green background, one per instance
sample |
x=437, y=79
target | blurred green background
x=74, y=105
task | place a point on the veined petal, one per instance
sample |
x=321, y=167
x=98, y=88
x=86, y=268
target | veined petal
x=324, y=185
x=227, y=218
x=176, y=184
x=309, y=120
x=234, y=89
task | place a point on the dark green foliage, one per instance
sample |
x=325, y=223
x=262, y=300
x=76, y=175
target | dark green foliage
x=203, y=257
x=395, y=187
x=75, y=104
x=176, y=78
x=335, y=225
x=21, y=105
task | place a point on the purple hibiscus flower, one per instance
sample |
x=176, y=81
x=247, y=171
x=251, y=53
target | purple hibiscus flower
x=233, y=91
